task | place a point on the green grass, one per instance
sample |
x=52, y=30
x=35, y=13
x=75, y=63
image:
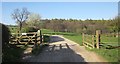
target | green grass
x=109, y=39
x=75, y=38
x=45, y=31
x=111, y=55
x=50, y=32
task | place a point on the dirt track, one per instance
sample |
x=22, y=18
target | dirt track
x=61, y=49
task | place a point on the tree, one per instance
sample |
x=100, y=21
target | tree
x=34, y=20
x=20, y=16
x=116, y=23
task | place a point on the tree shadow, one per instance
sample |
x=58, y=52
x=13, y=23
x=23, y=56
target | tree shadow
x=56, y=53
x=55, y=39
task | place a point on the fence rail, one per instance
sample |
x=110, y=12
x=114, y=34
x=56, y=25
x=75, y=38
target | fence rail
x=91, y=41
x=88, y=41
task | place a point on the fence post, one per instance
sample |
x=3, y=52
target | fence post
x=18, y=33
x=93, y=41
x=83, y=38
x=35, y=40
x=98, y=32
x=40, y=37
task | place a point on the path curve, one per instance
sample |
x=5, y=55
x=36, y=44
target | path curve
x=62, y=49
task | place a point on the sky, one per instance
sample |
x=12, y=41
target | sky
x=60, y=0
x=64, y=10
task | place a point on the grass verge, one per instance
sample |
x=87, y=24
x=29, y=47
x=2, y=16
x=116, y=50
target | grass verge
x=75, y=38
x=111, y=55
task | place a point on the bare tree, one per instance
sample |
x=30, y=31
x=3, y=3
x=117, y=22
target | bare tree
x=20, y=16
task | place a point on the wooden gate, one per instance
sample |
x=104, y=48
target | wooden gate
x=31, y=38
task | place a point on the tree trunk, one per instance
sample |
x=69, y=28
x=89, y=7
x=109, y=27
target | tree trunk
x=20, y=26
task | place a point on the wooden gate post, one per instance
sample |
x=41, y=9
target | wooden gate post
x=93, y=41
x=98, y=32
x=40, y=36
x=18, y=33
x=35, y=41
x=83, y=38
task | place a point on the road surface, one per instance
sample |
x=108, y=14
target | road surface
x=62, y=49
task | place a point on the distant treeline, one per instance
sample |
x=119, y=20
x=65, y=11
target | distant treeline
x=78, y=26
x=88, y=26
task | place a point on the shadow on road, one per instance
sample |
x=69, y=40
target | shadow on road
x=57, y=53
x=55, y=39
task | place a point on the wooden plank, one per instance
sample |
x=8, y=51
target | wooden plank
x=88, y=43
x=26, y=33
x=23, y=42
x=32, y=33
x=87, y=46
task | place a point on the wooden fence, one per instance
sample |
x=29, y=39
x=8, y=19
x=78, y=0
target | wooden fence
x=91, y=41
x=100, y=40
x=33, y=38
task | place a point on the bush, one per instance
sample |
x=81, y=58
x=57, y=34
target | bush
x=10, y=53
x=29, y=29
x=46, y=38
x=5, y=36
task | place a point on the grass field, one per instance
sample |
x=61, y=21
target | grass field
x=109, y=40
x=50, y=32
x=75, y=38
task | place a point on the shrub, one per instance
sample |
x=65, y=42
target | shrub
x=46, y=38
x=10, y=53
x=29, y=29
x=5, y=36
